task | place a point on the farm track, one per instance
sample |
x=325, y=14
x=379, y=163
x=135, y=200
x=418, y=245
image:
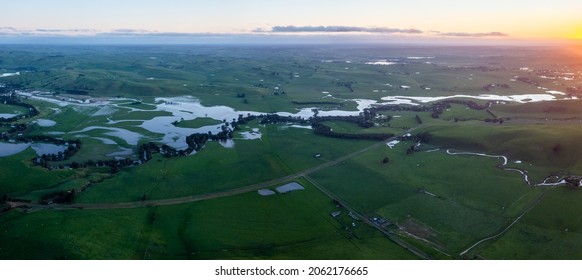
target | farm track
x=525, y=211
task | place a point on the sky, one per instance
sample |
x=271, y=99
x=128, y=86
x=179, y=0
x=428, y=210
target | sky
x=375, y=20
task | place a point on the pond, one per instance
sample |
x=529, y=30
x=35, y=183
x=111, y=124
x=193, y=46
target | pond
x=293, y=186
x=8, y=149
x=7, y=116
x=45, y=123
x=47, y=149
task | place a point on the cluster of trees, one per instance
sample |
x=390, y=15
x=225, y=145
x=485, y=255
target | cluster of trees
x=471, y=104
x=60, y=197
x=325, y=130
x=13, y=100
x=438, y=108
x=4, y=208
x=557, y=149
x=348, y=85
x=274, y=119
x=260, y=85
x=527, y=81
x=361, y=120
x=77, y=92
x=374, y=110
x=573, y=182
x=73, y=146
x=243, y=120
x=10, y=87
x=574, y=91
x=146, y=150
x=114, y=164
x=279, y=92
x=490, y=86
x=499, y=121
x=243, y=96
x=423, y=137
x=14, y=128
x=196, y=141
x=319, y=128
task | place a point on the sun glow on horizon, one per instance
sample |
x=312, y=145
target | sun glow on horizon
x=401, y=20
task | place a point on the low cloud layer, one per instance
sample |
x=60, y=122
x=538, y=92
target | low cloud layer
x=338, y=29
x=290, y=29
x=384, y=30
x=69, y=32
x=464, y=34
x=125, y=32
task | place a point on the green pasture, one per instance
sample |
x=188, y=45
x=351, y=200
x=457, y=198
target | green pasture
x=448, y=194
x=19, y=177
x=553, y=146
x=349, y=127
x=198, y=122
x=551, y=230
x=565, y=110
x=295, y=225
x=11, y=109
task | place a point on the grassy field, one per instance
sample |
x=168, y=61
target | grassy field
x=11, y=109
x=417, y=190
x=296, y=225
x=552, y=230
x=550, y=145
x=19, y=177
x=198, y=122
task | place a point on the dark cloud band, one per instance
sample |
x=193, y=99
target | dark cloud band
x=463, y=34
x=337, y=29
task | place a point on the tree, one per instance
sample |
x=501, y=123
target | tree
x=557, y=149
x=386, y=160
x=423, y=137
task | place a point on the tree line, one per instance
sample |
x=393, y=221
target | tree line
x=13, y=100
